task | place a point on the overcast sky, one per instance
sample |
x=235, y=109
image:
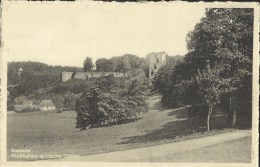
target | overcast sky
x=66, y=34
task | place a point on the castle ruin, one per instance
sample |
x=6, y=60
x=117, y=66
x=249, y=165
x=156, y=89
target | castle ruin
x=65, y=76
x=156, y=60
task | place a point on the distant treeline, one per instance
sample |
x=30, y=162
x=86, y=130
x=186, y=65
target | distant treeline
x=38, y=75
x=122, y=63
x=40, y=81
x=35, y=75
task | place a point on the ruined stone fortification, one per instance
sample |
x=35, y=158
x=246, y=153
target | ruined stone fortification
x=156, y=60
x=65, y=76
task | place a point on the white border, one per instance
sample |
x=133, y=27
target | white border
x=209, y=5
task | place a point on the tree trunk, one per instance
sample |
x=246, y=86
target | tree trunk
x=229, y=114
x=234, y=114
x=234, y=118
x=135, y=117
x=208, y=119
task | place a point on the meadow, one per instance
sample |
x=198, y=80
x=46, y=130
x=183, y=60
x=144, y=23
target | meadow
x=53, y=133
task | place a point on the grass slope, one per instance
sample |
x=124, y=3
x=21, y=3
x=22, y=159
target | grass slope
x=55, y=134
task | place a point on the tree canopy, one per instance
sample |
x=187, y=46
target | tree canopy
x=223, y=39
x=104, y=64
x=122, y=63
x=112, y=101
x=88, y=64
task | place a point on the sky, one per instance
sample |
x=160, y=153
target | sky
x=66, y=34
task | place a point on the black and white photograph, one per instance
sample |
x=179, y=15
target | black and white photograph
x=151, y=83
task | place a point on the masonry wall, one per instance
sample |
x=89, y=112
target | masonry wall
x=156, y=60
x=86, y=75
x=65, y=76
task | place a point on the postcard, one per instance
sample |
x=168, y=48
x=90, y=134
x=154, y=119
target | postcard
x=129, y=84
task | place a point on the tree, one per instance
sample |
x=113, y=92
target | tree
x=88, y=64
x=133, y=60
x=126, y=62
x=122, y=64
x=211, y=86
x=164, y=77
x=145, y=66
x=70, y=101
x=112, y=101
x=87, y=109
x=104, y=64
x=225, y=37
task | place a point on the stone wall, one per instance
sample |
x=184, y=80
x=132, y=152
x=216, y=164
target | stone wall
x=156, y=60
x=65, y=76
x=86, y=75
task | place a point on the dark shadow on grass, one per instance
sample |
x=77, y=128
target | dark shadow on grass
x=168, y=131
x=176, y=129
x=127, y=121
x=121, y=122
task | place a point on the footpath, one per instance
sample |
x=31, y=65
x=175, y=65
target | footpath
x=164, y=149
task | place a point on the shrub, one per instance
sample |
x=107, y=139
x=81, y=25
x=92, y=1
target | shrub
x=70, y=101
x=96, y=108
x=112, y=101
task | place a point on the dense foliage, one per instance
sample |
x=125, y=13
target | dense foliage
x=40, y=81
x=217, y=70
x=36, y=81
x=163, y=78
x=70, y=101
x=35, y=75
x=123, y=63
x=88, y=65
x=112, y=101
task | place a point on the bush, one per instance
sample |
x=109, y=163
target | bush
x=28, y=109
x=179, y=95
x=112, y=101
x=93, y=108
x=70, y=101
x=96, y=108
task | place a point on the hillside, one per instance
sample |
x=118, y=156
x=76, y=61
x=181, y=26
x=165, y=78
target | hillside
x=39, y=81
x=36, y=69
x=55, y=134
x=36, y=81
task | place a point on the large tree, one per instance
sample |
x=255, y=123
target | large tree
x=122, y=63
x=225, y=37
x=104, y=64
x=222, y=39
x=211, y=85
x=164, y=78
x=88, y=64
x=112, y=101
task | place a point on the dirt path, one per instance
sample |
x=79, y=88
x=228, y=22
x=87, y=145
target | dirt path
x=164, y=149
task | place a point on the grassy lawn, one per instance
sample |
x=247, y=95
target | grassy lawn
x=228, y=152
x=55, y=133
